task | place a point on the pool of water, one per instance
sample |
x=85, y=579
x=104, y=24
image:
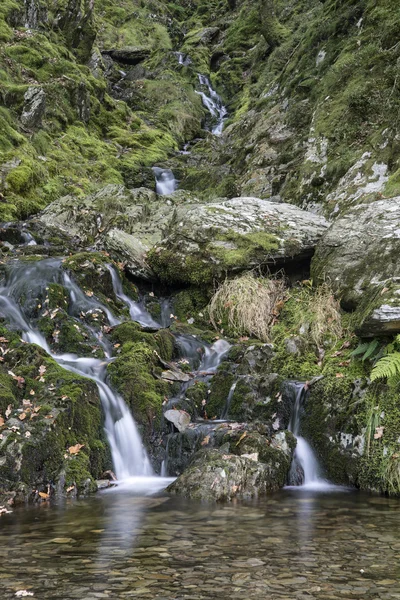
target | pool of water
x=294, y=544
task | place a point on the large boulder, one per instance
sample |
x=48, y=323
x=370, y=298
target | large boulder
x=220, y=474
x=359, y=255
x=179, y=239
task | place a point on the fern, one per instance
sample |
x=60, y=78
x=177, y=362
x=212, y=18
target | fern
x=371, y=349
x=367, y=349
x=387, y=367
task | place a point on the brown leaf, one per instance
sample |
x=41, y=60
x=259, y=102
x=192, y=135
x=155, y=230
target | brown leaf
x=241, y=438
x=8, y=411
x=205, y=441
x=75, y=449
x=70, y=488
x=89, y=293
x=44, y=495
x=344, y=363
x=3, y=340
x=338, y=375
x=1, y=421
x=22, y=416
x=337, y=353
x=346, y=345
x=379, y=433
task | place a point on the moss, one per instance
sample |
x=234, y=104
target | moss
x=221, y=384
x=191, y=304
x=134, y=373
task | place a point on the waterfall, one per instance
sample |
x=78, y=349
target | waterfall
x=305, y=470
x=136, y=311
x=129, y=457
x=225, y=412
x=165, y=181
x=213, y=103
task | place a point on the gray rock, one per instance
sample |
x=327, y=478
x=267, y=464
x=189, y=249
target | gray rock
x=359, y=256
x=129, y=56
x=214, y=475
x=145, y=231
x=34, y=106
x=179, y=418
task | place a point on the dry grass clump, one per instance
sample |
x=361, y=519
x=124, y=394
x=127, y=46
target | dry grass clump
x=247, y=305
x=325, y=315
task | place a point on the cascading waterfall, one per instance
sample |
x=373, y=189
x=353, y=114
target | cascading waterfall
x=305, y=471
x=212, y=101
x=204, y=360
x=128, y=454
x=165, y=181
x=225, y=412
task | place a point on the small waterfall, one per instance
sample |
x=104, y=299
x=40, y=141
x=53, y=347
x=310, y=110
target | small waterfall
x=129, y=456
x=225, y=412
x=213, y=103
x=136, y=311
x=165, y=181
x=213, y=356
x=305, y=470
x=183, y=59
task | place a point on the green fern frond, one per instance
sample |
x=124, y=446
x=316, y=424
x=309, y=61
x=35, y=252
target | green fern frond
x=361, y=349
x=371, y=349
x=388, y=366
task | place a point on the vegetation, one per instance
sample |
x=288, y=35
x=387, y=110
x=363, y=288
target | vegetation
x=247, y=305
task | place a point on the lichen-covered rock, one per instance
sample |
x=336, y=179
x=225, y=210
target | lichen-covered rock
x=209, y=240
x=220, y=474
x=359, y=256
x=181, y=240
x=34, y=106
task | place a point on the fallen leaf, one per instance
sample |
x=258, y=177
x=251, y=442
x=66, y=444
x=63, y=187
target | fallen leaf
x=344, y=363
x=241, y=438
x=379, y=433
x=44, y=495
x=22, y=416
x=338, y=375
x=3, y=340
x=8, y=411
x=205, y=441
x=1, y=421
x=70, y=488
x=89, y=293
x=42, y=369
x=32, y=392
x=75, y=449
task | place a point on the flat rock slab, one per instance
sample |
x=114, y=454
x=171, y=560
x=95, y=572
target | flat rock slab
x=359, y=256
x=179, y=239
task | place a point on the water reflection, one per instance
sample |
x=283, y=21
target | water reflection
x=289, y=545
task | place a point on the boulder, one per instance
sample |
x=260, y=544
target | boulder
x=220, y=475
x=128, y=56
x=182, y=240
x=179, y=418
x=359, y=256
x=34, y=106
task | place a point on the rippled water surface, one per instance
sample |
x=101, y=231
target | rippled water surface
x=295, y=544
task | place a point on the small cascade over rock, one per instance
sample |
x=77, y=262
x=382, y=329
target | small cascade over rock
x=165, y=181
x=212, y=101
x=129, y=456
x=305, y=471
x=225, y=412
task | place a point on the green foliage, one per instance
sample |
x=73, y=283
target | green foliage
x=366, y=350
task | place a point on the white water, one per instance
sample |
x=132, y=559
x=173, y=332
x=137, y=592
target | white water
x=136, y=311
x=225, y=412
x=165, y=181
x=305, y=462
x=213, y=103
x=213, y=356
x=130, y=460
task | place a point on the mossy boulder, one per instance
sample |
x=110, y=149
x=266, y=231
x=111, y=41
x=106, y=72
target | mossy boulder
x=47, y=411
x=359, y=256
x=217, y=475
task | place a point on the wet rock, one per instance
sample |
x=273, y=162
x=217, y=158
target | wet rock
x=179, y=418
x=213, y=475
x=34, y=107
x=359, y=256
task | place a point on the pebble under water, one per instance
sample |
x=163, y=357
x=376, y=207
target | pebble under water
x=293, y=544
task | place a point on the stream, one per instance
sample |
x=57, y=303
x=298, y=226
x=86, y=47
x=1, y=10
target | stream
x=117, y=545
